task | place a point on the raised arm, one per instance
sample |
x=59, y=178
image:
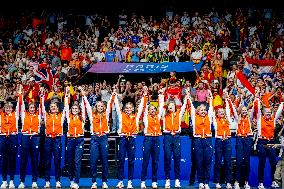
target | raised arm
x=145, y=117
x=192, y=111
x=22, y=108
x=109, y=106
x=88, y=108
x=43, y=111
x=161, y=110
x=182, y=109
x=232, y=118
x=83, y=105
x=258, y=114
x=139, y=111
x=278, y=112
x=210, y=110
x=83, y=109
x=17, y=111
x=213, y=121
x=66, y=108
x=118, y=109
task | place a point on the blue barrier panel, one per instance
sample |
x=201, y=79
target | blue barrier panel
x=185, y=162
x=114, y=67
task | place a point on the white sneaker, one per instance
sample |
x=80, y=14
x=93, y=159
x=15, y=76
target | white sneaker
x=11, y=184
x=177, y=183
x=206, y=186
x=246, y=186
x=4, y=184
x=75, y=186
x=143, y=185
x=229, y=186
x=275, y=184
x=58, y=184
x=34, y=185
x=22, y=185
x=47, y=184
x=201, y=186
x=218, y=186
x=168, y=183
x=120, y=184
x=154, y=185
x=129, y=184
x=104, y=186
x=71, y=183
x=236, y=185
x=94, y=186
x=260, y=186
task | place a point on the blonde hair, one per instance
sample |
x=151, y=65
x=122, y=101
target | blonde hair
x=169, y=102
x=8, y=104
x=198, y=107
x=95, y=110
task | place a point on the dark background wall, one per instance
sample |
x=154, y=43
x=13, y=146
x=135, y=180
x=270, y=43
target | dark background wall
x=114, y=6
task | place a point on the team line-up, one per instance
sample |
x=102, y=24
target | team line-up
x=162, y=120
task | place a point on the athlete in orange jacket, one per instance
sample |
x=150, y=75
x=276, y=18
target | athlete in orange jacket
x=99, y=120
x=31, y=121
x=127, y=130
x=9, y=142
x=243, y=143
x=265, y=132
x=223, y=147
x=75, y=137
x=54, y=120
x=152, y=131
x=172, y=118
x=201, y=122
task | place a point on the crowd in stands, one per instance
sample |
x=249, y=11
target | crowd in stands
x=51, y=53
x=31, y=44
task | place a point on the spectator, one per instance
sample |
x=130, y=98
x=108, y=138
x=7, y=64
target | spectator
x=73, y=73
x=227, y=54
x=201, y=94
x=135, y=53
x=110, y=55
x=31, y=91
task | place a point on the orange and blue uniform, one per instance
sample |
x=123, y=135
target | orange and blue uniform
x=202, y=141
x=223, y=146
x=52, y=144
x=30, y=140
x=99, y=139
x=9, y=141
x=265, y=132
x=75, y=140
x=151, y=143
x=243, y=143
x=171, y=131
x=127, y=130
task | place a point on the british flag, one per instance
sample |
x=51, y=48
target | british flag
x=44, y=75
